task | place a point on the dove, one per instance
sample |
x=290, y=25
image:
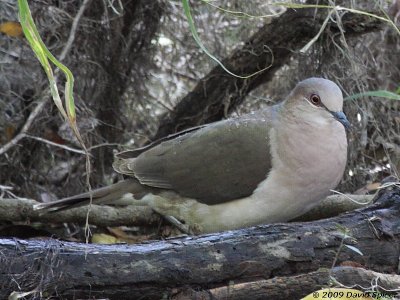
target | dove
x=268, y=166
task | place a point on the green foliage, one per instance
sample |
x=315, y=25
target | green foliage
x=186, y=9
x=45, y=57
x=380, y=93
x=238, y=14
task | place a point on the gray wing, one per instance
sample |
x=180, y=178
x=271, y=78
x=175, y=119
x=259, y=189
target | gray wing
x=215, y=163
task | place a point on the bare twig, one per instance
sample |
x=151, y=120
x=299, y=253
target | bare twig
x=26, y=127
x=55, y=144
x=74, y=26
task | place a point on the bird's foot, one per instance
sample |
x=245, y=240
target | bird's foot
x=178, y=224
x=174, y=209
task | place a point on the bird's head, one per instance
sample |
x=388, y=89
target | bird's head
x=317, y=100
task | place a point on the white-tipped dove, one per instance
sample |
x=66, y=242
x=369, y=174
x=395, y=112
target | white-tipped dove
x=269, y=166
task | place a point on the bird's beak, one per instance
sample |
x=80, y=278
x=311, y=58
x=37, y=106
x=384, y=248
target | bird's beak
x=341, y=117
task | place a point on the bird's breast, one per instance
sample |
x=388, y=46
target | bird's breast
x=305, y=167
x=309, y=155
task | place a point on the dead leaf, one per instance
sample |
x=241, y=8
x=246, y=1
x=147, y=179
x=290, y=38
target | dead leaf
x=11, y=28
x=123, y=237
x=9, y=132
x=367, y=189
x=102, y=238
x=354, y=264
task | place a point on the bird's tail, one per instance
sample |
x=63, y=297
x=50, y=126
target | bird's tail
x=104, y=195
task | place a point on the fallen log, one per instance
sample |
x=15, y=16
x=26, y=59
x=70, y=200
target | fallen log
x=166, y=268
x=295, y=287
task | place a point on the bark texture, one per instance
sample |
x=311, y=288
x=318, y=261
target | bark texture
x=21, y=210
x=167, y=268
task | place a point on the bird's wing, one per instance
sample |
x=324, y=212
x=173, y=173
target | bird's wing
x=213, y=164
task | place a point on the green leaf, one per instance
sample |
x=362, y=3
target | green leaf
x=343, y=230
x=380, y=93
x=186, y=9
x=45, y=57
x=239, y=14
x=384, y=18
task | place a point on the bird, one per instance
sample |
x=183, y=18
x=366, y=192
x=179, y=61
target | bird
x=267, y=166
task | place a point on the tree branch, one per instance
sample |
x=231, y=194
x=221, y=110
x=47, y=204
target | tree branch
x=17, y=209
x=15, y=140
x=101, y=215
x=274, y=44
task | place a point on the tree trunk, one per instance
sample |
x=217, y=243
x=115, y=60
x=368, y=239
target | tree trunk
x=208, y=262
x=129, y=41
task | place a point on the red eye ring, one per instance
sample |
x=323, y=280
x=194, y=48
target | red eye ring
x=315, y=99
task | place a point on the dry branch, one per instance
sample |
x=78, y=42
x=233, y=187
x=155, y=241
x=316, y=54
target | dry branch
x=165, y=268
x=15, y=210
x=32, y=117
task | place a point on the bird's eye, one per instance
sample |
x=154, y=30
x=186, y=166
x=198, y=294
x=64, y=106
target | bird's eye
x=315, y=99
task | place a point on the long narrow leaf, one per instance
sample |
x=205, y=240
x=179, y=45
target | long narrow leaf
x=340, y=8
x=186, y=9
x=36, y=44
x=381, y=94
x=44, y=55
x=240, y=14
